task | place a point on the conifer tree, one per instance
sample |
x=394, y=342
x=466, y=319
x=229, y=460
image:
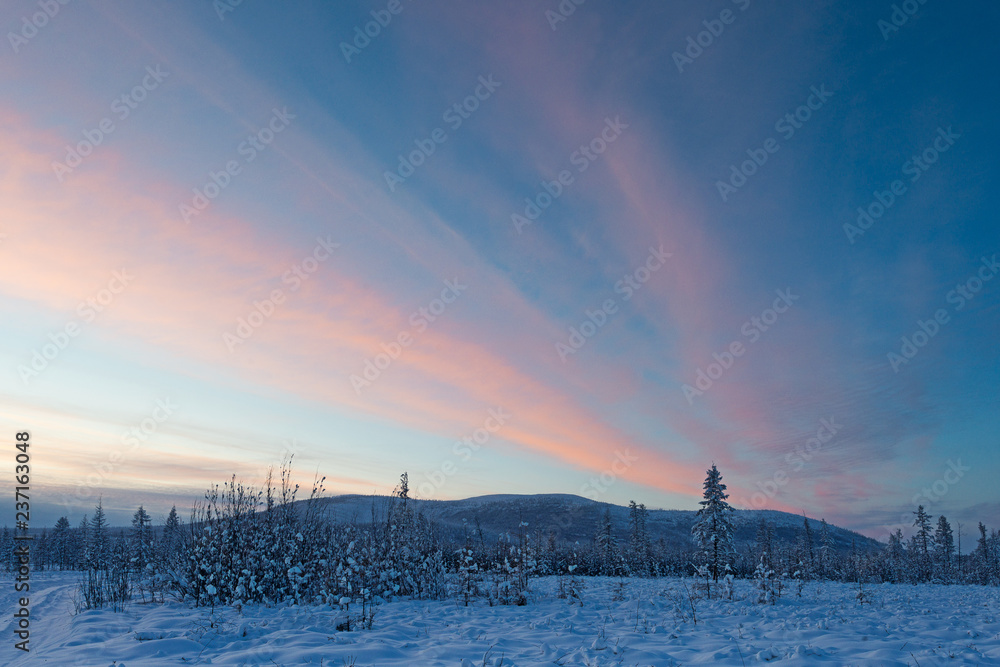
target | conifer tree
x=922, y=542
x=944, y=544
x=606, y=544
x=99, y=545
x=142, y=538
x=83, y=543
x=825, y=549
x=173, y=538
x=808, y=556
x=713, y=529
x=61, y=544
x=638, y=538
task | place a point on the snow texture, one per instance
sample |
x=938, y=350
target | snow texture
x=612, y=622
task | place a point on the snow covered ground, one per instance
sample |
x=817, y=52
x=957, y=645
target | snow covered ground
x=648, y=622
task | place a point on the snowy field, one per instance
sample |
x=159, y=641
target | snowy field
x=648, y=622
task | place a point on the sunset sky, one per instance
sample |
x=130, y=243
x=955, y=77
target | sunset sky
x=604, y=254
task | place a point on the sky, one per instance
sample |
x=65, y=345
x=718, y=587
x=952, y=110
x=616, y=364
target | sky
x=527, y=247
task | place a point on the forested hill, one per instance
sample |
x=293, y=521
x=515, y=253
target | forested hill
x=573, y=518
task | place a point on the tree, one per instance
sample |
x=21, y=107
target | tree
x=983, y=554
x=944, y=543
x=83, y=543
x=142, y=538
x=173, y=537
x=99, y=546
x=43, y=551
x=896, y=556
x=606, y=544
x=403, y=491
x=808, y=557
x=638, y=538
x=61, y=544
x=765, y=549
x=922, y=541
x=713, y=528
x=958, y=534
x=825, y=549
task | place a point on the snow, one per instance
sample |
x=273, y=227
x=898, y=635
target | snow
x=644, y=622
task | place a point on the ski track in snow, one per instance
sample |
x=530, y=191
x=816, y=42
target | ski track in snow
x=650, y=625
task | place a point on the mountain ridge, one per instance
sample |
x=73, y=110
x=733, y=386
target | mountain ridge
x=573, y=518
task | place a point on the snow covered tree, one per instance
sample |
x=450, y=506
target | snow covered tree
x=43, y=551
x=638, y=539
x=62, y=544
x=944, y=545
x=606, y=545
x=825, y=549
x=807, y=555
x=987, y=557
x=896, y=557
x=764, y=550
x=922, y=542
x=173, y=538
x=83, y=543
x=142, y=539
x=713, y=528
x=98, y=554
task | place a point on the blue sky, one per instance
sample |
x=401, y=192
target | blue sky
x=533, y=319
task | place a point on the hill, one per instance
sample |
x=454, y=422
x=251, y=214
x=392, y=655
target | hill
x=573, y=518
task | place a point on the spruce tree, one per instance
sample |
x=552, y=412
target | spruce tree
x=638, y=538
x=61, y=543
x=808, y=556
x=825, y=549
x=713, y=529
x=99, y=546
x=944, y=544
x=605, y=540
x=765, y=550
x=173, y=538
x=896, y=556
x=83, y=543
x=922, y=542
x=142, y=539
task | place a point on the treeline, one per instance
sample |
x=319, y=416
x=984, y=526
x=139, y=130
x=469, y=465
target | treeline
x=243, y=544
